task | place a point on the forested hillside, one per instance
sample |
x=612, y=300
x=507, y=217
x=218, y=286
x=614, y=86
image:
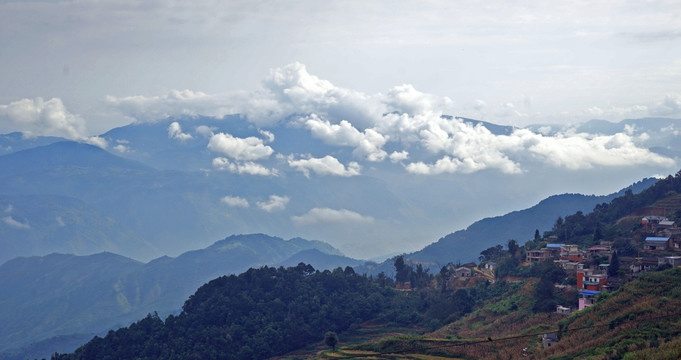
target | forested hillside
x=255, y=315
x=609, y=220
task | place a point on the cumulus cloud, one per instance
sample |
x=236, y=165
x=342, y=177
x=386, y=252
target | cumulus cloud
x=37, y=117
x=583, y=151
x=175, y=132
x=235, y=201
x=246, y=167
x=466, y=148
x=291, y=89
x=286, y=91
x=319, y=216
x=403, y=118
x=406, y=99
x=275, y=203
x=328, y=165
x=398, y=156
x=367, y=144
x=9, y=220
x=250, y=148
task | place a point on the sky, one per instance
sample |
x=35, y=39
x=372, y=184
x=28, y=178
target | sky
x=510, y=63
x=375, y=77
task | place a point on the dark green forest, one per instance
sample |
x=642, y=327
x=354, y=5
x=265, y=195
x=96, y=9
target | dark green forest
x=257, y=314
x=270, y=311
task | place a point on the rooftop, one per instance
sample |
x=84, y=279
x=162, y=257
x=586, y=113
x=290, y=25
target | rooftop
x=655, y=238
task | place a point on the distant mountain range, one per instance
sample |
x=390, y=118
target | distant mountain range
x=165, y=208
x=69, y=296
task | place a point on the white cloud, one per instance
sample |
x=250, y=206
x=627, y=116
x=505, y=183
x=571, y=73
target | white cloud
x=9, y=208
x=367, y=144
x=328, y=165
x=269, y=137
x=288, y=90
x=97, y=141
x=250, y=148
x=60, y=221
x=37, y=117
x=450, y=165
x=246, y=167
x=404, y=117
x=398, y=156
x=121, y=148
x=319, y=216
x=15, y=224
x=275, y=203
x=583, y=151
x=235, y=201
x=174, y=103
x=406, y=99
x=175, y=132
x=291, y=89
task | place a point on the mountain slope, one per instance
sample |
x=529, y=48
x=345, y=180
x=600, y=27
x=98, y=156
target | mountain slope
x=42, y=224
x=16, y=141
x=59, y=295
x=63, y=154
x=465, y=245
x=168, y=207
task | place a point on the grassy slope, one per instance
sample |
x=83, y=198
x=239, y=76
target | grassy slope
x=640, y=320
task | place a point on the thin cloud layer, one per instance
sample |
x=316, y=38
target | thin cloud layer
x=9, y=220
x=174, y=103
x=321, y=216
x=235, y=201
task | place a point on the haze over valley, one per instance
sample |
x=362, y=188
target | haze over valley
x=148, y=150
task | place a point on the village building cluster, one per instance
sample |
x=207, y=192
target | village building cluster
x=590, y=266
x=593, y=278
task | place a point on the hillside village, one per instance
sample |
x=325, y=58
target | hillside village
x=588, y=270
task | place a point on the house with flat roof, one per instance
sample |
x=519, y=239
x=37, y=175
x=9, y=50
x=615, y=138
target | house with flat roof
x=654, y=243
x=671, y=260
x=587, y=298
